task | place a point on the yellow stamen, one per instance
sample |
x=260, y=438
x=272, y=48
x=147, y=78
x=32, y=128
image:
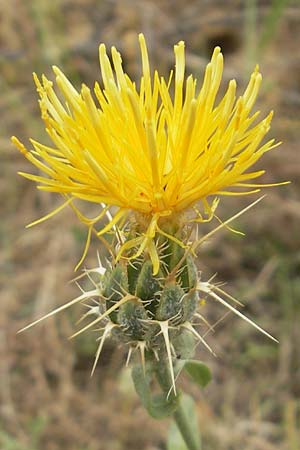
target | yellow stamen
x=146, y=150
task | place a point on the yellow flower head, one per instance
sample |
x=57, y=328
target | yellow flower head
x=156, y=149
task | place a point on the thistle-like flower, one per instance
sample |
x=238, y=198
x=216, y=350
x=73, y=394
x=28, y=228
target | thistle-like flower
x=144, y=151
x=156, y=158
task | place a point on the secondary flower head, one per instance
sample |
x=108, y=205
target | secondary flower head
x=155, y=149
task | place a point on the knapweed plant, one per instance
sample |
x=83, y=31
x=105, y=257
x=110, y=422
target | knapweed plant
x=156, y=157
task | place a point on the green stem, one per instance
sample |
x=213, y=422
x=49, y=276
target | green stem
x=184, y=427
x=182, y=421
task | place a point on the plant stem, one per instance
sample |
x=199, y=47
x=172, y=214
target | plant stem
x=184, y=427
x=182, y=421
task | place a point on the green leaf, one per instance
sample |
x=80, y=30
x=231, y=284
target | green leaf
x=175, y=440
x=158, y=406
x=198, y=371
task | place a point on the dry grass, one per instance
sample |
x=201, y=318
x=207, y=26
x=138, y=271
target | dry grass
x=48, y=400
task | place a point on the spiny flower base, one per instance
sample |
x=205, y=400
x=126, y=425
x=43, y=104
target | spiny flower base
x=154, y=314
x=151, y=313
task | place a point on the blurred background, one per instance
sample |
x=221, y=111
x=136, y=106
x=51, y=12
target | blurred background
x=48, y=399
